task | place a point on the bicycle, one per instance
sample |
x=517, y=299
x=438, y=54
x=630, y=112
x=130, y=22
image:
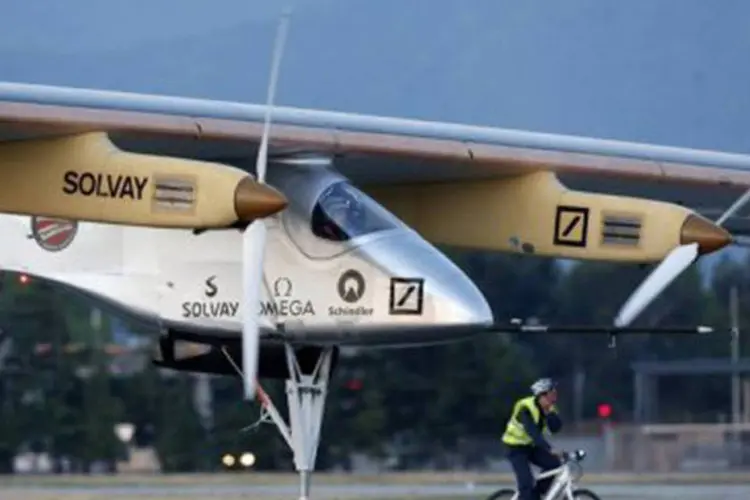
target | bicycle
x=562, y=486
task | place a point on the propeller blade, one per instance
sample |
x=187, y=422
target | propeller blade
x=253, y=249
x=254, y=239
x=672, y=266
x=680, y=259
x=741, y=201
x=278, y=51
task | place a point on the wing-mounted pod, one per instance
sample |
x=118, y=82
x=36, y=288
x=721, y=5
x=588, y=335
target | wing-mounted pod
x=86, y=177
x=536, y=214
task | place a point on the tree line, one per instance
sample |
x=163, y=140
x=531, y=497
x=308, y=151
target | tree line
x=417, y=401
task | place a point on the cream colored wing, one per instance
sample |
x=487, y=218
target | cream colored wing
x=456, y=184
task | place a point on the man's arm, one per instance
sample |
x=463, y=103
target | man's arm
x=554, y=422
x=532, y=430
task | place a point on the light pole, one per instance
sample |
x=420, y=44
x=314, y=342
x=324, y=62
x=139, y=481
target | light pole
x=734, y=318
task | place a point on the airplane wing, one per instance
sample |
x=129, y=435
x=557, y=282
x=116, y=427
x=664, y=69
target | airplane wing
x=376, y=151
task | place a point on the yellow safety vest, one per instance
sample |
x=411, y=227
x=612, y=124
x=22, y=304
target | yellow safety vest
x=515, y=434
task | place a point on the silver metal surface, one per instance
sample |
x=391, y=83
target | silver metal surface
x=183, y=106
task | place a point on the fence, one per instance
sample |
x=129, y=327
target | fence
x=659, y=448
x=678, y=448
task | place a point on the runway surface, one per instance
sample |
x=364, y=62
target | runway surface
x=352, y=491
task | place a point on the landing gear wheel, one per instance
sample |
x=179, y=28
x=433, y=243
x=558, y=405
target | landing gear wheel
x=584, y=494
x=503, y=493
x=306, y=396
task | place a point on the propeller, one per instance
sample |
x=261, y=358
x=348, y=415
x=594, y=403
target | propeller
x=254, y=237
x=667, y=271
x=699, y=236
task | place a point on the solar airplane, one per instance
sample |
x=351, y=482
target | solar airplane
x=264, y=238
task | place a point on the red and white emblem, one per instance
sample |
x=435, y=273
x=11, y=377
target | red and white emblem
x=53, y=234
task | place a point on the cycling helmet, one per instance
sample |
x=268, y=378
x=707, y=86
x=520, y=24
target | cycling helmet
x=542, y=386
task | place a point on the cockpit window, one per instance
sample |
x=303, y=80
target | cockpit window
x=343, y=212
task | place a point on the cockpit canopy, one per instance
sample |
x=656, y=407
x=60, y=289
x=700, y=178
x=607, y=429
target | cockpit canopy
x=342, y=213
x=337, y=216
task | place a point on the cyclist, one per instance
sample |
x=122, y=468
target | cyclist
x=532, y=416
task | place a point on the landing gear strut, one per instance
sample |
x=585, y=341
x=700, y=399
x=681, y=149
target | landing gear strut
x=306, y=397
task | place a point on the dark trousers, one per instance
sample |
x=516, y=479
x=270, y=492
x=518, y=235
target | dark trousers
x=521, y=458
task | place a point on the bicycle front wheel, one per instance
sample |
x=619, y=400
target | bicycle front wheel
x=584, y=494
x=504, y=494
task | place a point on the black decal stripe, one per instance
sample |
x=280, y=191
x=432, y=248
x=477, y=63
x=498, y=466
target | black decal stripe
x=174, y=192
x=174, y=198
x=406, y=296
x=571, y=225
x=174, y=187
x=621, y=230
x=629, y=224
x=621, y=235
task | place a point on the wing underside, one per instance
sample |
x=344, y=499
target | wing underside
x=378, y=151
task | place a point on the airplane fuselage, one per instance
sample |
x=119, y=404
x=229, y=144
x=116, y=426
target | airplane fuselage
x=338, y=268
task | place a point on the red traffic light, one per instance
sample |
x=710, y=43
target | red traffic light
x=604, y=410
x=23, y=279
x=354, y=384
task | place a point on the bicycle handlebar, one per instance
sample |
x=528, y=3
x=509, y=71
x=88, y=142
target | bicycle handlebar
x=574, y=456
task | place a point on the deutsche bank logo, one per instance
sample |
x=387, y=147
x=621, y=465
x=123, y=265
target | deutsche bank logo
x=407, y=296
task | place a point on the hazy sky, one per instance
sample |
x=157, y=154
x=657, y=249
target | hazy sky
x=667, y=71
